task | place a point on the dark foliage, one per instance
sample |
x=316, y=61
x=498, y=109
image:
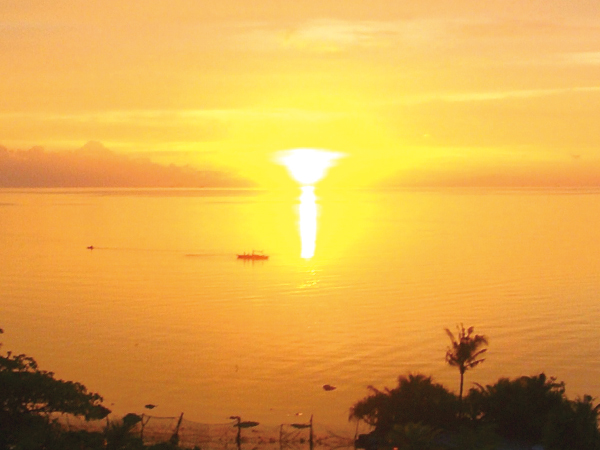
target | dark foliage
x=28, y=395
x=77, y=440
x=529, y=409
x=535, y=410
x=163, y=446
x=574, y=426
x=471, y=436
x=119, y=434
x=519, y=408
x=416, y=399
x=414, y=436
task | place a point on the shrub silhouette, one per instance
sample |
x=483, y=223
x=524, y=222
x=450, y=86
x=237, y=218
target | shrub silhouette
x=528, y=409
x=413, y=436
x=574, y=426
x=518, y=408
x=535, y=409
x=416, y=399
x=119, y=434
x=28, y=395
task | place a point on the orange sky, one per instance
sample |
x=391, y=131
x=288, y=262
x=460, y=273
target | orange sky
x=429, y=92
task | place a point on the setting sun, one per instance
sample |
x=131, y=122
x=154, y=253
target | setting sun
x=307, y=166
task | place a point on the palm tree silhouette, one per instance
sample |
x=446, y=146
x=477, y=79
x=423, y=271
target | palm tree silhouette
x=465, y=351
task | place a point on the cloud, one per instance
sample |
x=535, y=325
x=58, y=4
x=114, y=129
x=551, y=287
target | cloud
x=154, y=128
x=582, y=58
x=486, y=96
x=336, y=35
x=566, y=173
x=147, y=125
x=518, y=37
x=93, y=165
x=549, y=119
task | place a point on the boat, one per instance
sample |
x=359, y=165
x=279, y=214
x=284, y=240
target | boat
x=253, y=256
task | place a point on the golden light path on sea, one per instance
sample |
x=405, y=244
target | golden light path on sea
x=307, y=166
x=307, y=221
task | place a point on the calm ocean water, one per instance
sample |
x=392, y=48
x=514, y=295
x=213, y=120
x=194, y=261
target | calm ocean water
x=358, y=290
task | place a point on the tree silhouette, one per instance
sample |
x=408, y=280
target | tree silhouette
x=535, y=409
x=29, y=395
x=416, y=399
x=465, y=351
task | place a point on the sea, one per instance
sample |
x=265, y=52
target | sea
x=358, y=290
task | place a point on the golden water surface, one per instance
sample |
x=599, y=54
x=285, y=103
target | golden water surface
x=357, y=290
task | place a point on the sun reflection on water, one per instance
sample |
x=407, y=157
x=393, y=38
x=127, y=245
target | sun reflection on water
x=307, y=221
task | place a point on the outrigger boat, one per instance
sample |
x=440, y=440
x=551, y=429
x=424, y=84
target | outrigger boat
x=253, y=256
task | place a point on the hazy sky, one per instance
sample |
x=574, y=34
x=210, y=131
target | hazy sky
x=488, y=92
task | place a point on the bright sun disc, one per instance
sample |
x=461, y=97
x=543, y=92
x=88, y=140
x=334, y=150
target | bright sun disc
x=307, y=166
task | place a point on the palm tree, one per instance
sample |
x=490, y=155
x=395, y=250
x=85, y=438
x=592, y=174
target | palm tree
x=465, y=351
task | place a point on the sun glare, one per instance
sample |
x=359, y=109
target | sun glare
x=307, y=166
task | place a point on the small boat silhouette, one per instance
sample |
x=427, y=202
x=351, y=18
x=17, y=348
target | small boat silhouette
x=90, y=247
x=253, y=256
